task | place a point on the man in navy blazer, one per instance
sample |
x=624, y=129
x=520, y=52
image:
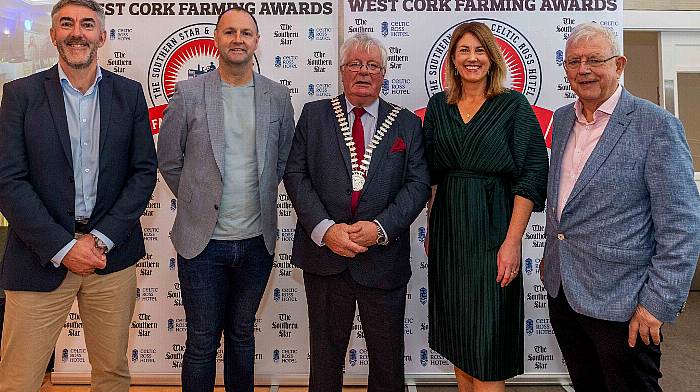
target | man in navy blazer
x=357, y=177
x=77, y=170
x=622, y=223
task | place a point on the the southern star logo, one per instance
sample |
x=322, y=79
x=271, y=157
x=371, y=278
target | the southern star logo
x=523, y=65
x=524, y=70
x=187, y=53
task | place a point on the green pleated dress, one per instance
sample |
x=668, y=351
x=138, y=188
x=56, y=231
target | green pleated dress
x=478, y=168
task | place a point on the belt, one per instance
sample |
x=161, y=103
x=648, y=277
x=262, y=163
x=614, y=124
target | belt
x=473, y=174
x=495, y=192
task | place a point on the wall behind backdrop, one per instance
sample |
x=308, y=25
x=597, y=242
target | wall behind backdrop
x=160, y=43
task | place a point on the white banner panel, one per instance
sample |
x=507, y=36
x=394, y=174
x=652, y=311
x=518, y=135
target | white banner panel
x=159, y=44
x=532, y=35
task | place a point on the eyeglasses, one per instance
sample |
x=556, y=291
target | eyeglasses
x=357, y=66
x=574, y=64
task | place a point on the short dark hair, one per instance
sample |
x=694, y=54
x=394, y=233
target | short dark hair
x=237, y=8
x=91, y=4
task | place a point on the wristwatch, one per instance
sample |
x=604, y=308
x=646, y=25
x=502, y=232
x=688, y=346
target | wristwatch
x=381, y=236
x=99, y=243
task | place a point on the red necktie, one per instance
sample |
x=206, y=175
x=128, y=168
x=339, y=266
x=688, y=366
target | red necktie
x=358, y=135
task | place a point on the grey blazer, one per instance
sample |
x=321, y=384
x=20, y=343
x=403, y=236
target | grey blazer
x=629, y=232
x=191, y=155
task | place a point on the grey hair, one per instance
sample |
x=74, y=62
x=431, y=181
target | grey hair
x=590, y=30
x=91, y=4
x=362, y=41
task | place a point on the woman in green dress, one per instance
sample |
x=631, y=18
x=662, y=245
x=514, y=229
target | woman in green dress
x=489, y=165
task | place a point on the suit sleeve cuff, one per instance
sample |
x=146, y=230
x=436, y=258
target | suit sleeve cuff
x=57, y=259
x=658, y=306
x=103, y=238
x=320, y=231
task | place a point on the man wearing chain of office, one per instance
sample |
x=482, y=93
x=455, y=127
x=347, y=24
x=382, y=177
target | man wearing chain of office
x=357, y=177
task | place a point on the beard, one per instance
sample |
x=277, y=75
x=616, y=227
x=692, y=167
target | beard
x=77, y=63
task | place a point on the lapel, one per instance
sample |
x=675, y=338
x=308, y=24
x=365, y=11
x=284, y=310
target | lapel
x=262, y=104
x=105, y=95
x=381, y=150
x=619, y=120
x=213, y=104
x=344, y=151
x=560, y=135
x=52, y=86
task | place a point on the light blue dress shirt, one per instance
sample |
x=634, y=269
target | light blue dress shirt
x=83, y=115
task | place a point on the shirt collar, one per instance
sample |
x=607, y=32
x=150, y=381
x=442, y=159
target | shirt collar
x=372, y=109
x=64, y=80
x=607, y=107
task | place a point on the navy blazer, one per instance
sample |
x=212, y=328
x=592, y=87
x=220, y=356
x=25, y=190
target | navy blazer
x=37, y=194
x=630, y=231
x=317, y=180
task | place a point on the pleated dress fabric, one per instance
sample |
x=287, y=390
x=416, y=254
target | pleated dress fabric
x=478, y=168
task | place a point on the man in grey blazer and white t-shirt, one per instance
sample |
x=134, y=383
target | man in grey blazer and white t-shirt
x=222, y=150
x=623, y=222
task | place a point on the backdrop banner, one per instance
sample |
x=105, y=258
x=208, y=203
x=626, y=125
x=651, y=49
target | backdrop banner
x=160, y=43
x=532, y=35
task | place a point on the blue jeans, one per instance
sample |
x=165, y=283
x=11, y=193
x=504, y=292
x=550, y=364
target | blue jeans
x=221, y=291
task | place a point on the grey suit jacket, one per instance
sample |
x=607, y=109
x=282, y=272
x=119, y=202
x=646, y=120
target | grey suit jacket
x=317, y=180
x=629, y=232
x=191, y=156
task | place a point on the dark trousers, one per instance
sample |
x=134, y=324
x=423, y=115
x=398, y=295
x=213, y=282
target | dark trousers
x=221, y=291
x=597, y=354
x=331, y=304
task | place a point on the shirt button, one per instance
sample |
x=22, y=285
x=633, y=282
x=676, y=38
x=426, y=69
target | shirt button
x=85, y=144
x=84, y=120
x=87, y=170
x=561, y=237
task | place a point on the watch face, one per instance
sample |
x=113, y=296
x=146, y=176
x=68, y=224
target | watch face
x=100, y=244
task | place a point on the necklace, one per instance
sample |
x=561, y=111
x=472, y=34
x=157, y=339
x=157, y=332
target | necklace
x=470, y=109
x=359, y=172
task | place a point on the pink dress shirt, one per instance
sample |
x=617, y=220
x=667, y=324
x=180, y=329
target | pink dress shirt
x=582, y=140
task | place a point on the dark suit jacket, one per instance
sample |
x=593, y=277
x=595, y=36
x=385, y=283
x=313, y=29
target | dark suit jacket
x=37, y=194
x=317, y=179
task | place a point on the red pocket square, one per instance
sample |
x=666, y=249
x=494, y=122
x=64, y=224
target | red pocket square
x=398, y=145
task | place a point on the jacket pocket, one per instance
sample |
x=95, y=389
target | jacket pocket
x=639, y=256
x=184, y=194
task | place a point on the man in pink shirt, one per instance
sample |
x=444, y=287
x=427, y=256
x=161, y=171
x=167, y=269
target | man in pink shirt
x=623, y=222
